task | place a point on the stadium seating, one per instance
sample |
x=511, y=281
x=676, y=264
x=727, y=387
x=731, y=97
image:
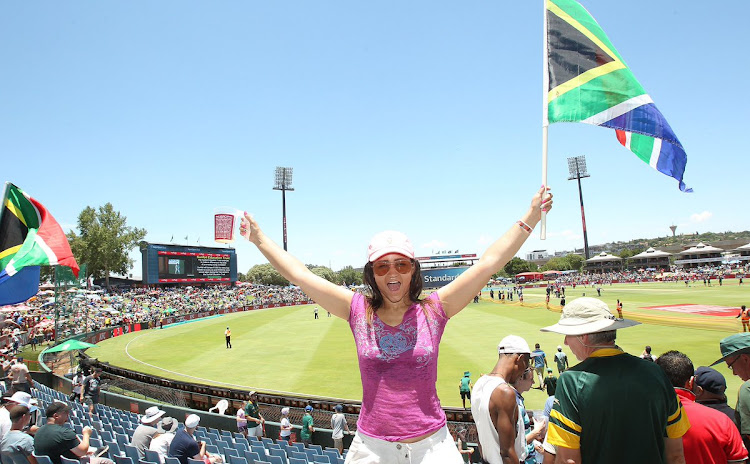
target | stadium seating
x=42, y=459
x=114, y=428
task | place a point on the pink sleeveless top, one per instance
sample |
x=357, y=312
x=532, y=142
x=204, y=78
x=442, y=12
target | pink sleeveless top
x=398, y=366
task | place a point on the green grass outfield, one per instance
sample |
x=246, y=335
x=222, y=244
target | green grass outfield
x=286, y=350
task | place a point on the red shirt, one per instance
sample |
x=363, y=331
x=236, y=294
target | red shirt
x=712, y=438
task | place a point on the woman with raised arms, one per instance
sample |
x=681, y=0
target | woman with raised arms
x=397, y=334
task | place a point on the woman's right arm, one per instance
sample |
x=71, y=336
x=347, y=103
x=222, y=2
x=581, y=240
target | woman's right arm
x=334, y=298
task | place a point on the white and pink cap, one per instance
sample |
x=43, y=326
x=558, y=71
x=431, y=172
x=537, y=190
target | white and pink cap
x=389, y=241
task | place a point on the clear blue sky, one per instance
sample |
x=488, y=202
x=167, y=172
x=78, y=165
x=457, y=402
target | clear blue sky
x=420, y=116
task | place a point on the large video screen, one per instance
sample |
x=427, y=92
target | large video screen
x=177, y=266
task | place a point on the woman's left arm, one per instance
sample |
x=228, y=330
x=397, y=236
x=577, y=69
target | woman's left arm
x=457, y=294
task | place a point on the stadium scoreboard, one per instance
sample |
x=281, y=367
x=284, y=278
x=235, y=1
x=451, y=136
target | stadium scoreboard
x=175, y=264
x=442, y=269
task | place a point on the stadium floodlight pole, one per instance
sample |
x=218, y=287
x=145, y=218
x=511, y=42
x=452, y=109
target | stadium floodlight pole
x=283, y=182
x=577, y=170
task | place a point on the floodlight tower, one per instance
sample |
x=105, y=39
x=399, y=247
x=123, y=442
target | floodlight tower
x=283, y=182
x=577, y=170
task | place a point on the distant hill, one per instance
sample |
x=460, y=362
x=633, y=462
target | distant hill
x=672, y=243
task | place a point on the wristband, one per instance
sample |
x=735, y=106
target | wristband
x=524, y=226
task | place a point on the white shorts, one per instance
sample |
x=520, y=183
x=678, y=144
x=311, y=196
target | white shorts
x=438, y=448
x=255, y=431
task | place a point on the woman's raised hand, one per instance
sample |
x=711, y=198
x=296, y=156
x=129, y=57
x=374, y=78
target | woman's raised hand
x=249, y=229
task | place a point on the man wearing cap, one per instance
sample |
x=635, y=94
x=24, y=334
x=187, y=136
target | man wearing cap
x=54, y=439
x=709, y=389
x=585, y=424
x=166, y=430
x=184, y=446
x=464, y=388
x=561, y=359
x=339, y=427
x=307, y=426
x=254, y=419
x=145, y=432
x=712, y=436
x=500, y=427
x=735, y=351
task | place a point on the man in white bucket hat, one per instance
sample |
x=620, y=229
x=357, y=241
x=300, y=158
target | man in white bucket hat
x=612, y=407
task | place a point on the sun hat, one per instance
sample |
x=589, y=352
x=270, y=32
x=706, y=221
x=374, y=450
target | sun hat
x=513, y=344
x=734, y=345
x=21, y=399
x=585, y=316
x=710, y=380
x=151, y=415
x=285, y=411
x=192, y=421
x=167, y=425
x=389, y=241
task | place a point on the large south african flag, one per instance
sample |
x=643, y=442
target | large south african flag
x=588, y=81
x=29, y=237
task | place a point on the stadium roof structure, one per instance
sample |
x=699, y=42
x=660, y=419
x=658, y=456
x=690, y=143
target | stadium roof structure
x=743, y=248
x=701, y=248
x=603, y=257
x=651, y=253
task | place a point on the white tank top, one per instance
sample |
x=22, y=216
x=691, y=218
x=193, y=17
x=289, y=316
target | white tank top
x=486, y=431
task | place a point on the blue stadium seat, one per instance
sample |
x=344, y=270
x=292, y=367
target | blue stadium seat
x=298, y=455
x=237, y=460
x=114, y=449
x=277, y=452
x=132, y=453
x=241, y=445
x=124, y=460
x=258, y=448
x=252, y=456
x=213, y=449
x=171, y=460
x=300, y=446
x=122, y=440
x=297, y=461
x=332, y=453
x=152, y=456
x=266, y=441
x=310, y=454
x=323, y=459
x=275, y=460
x=43, y=459
x=65, y=460
x=317, y=448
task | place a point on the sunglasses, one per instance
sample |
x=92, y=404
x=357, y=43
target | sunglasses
x=729, y=365
x=403, y=266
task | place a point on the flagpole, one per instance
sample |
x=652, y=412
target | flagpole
x=543, y=227
x=545, y=120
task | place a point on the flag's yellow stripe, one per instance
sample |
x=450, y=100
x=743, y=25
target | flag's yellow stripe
x=12, y=208
x=584, y=78
x=580, y=27
x=10, y=251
